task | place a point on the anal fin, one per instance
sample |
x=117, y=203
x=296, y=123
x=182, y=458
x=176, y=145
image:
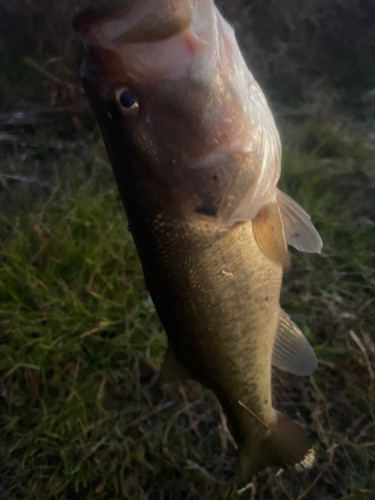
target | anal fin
x=299, y=230
x=291, y=351
x=269, y=234
x=172, y=370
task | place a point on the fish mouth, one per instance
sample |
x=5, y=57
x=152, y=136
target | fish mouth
x=134, y=21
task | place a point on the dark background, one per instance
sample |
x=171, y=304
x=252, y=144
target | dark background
x=319, y=52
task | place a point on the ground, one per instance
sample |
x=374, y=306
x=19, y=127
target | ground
x=81, y=413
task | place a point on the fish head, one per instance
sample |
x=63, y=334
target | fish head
x=169, y=87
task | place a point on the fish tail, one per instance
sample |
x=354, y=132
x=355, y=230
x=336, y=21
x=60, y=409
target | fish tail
x=285, y=444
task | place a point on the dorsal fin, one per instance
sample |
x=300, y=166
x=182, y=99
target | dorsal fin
x=269, y=234
x=299, y=230
x=291, y=351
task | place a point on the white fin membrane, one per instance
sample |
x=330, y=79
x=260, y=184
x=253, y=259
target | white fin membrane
x=291, y=351
x=299, y=230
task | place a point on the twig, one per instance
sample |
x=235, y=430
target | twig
x=88, y=333
x=363, y=350
x=253, y=414
x=367, y=445
x=194, y=466
x=155, y=411
x=285, y=490
x=26, y=140
x=22, y=118
x=226, y=430
x=26, y=180
x=245, y=488
x=52, y=77
x=309, y=488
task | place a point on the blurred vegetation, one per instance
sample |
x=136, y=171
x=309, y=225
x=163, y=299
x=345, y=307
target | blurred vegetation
x=316, y=52
x=81, y=415
x=81, y=346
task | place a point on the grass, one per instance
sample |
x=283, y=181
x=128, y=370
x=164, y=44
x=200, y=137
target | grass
x=81, y=346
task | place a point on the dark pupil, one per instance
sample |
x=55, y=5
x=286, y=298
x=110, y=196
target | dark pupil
x=127, y=99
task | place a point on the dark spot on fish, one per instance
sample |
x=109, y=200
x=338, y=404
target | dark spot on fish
x=265, y=401
x=266, y=298
x=296, y=235
x=209, y=210
x=272, y=228
x=215, y=177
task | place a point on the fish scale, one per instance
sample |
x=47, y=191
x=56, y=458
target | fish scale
x=196, y=275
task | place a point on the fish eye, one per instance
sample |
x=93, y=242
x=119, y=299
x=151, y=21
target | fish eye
x=127, y=101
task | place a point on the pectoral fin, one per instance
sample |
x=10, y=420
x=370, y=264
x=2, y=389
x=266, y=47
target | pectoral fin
x=269, y=234
x=172, y=370
x=299, y=230
x=291, y=351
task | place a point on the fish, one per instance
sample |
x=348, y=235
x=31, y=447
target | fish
x=196, y=155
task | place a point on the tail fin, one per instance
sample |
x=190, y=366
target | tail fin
x=285, y=444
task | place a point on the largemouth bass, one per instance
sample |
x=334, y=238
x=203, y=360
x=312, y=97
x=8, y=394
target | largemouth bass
x=196, y=156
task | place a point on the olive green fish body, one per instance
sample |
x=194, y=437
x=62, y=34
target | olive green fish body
x=218, y=298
